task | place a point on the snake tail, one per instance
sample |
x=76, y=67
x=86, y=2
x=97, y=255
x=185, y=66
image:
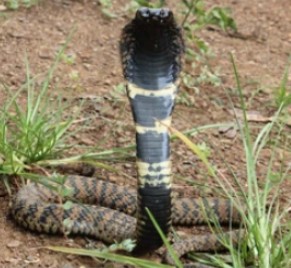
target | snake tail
x=151, y=49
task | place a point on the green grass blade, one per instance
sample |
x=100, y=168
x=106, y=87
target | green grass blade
x=110, y=256
x=165, y=240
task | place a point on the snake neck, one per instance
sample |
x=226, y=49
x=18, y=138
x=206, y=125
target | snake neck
x=152, y=112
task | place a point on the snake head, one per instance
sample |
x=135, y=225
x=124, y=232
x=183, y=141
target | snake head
x=151, y=48
x=154, y=15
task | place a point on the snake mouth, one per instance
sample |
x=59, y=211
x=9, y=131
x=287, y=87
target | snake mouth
x=151, y=49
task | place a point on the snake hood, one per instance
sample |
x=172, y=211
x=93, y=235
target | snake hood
x=151, y=47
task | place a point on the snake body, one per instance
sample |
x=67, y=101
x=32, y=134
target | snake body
x=109, y=213
x=151, y=47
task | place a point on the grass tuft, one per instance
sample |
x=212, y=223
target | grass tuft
x=32, y=128
x=268, y=238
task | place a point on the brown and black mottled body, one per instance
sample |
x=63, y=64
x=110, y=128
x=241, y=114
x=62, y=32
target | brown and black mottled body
x=106, y=211
x=151, y=47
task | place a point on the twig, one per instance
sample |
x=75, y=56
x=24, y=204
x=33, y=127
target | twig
x=190, y=8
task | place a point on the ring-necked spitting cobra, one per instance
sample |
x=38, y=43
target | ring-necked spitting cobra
x=151, y=47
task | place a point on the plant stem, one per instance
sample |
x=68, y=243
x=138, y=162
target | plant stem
x=190, y=8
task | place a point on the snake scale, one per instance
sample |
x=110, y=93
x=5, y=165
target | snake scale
x=151, y=48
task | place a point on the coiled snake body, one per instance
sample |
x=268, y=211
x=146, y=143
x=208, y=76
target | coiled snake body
x=151, y=48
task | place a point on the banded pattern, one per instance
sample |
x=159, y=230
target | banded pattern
x=151, y=49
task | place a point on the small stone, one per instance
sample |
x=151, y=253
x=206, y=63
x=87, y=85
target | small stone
x=32, y=259
x=127, y=166
x=67, y=265
x=224, y=129
x=45, y=54
x=87, y=141
x=16, y=34
x=87, y=66
x=231, y=133
x=14, y=244
x=13, y=260
x=3, y=8
x=70, y=258
x=107, y=82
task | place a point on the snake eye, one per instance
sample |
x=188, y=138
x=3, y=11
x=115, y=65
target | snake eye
x=144, y=12
x=163, y=13
x=166, y=15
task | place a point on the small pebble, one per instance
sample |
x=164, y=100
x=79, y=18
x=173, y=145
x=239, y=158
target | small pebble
x=13, y=260
x=3, y=8
x=14, y=244
x=67, y=265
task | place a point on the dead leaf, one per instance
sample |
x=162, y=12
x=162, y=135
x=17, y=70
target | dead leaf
x=255, y=116
x=252, y=116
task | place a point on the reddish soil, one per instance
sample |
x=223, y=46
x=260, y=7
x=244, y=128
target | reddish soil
x=261, y=54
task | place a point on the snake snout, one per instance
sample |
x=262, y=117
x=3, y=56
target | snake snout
x=154, y=15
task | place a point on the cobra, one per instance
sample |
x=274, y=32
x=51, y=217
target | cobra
x=151, y=49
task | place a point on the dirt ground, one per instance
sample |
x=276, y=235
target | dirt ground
x=261, y=53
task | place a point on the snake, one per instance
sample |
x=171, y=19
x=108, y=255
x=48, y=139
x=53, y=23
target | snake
x=151, y=49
